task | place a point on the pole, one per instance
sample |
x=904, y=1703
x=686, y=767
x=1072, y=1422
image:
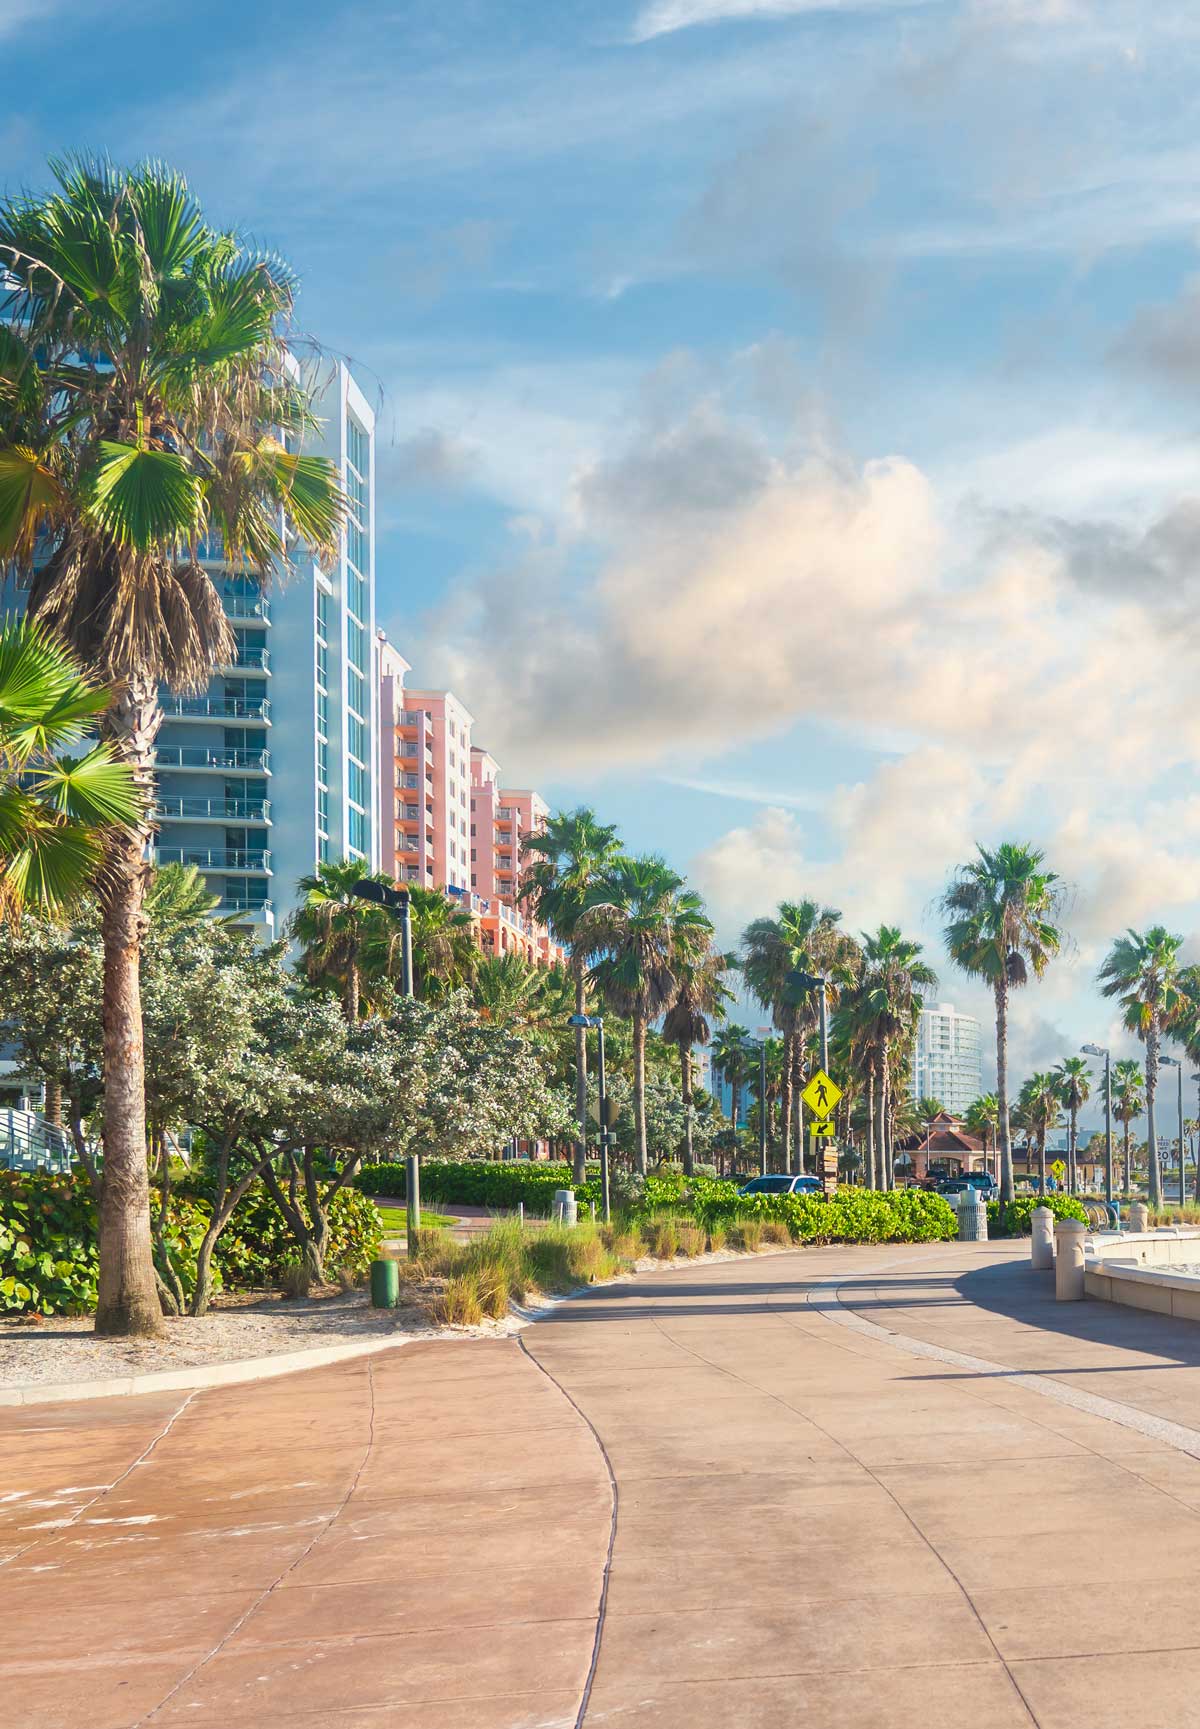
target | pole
x=824, y=1027
x=1182, y=1191
x=600, y=1085
x=412, y=1200
x=406, y=943
x=1108, y=1162
x=762, y=1107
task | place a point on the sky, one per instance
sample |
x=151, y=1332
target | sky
x=789, y=429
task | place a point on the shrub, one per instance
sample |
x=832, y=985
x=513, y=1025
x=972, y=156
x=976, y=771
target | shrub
x=1015, y=1217
x=746, y=1234
x=776, y=1232
x=716, y=1236
x=692, y=1239
x=474, y=1182
x=49, y=1262
x=459, y=1305
x=661, y=1237
x=257, y=1245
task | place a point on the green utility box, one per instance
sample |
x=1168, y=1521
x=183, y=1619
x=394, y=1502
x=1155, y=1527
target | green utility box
x=385, y=1285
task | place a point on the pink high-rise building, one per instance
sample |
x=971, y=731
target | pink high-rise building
x=446, y=822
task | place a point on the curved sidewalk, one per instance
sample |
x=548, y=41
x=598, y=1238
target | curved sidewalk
x=872, y=1488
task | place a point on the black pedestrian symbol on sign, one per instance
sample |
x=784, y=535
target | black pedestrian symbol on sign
x=822, y=1095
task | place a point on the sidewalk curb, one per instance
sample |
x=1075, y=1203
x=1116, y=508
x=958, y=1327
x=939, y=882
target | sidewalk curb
x=198, y=1376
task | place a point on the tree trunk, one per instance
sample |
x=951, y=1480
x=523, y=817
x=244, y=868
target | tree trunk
x=52, y=1104
x=685, y=1072
x=639, y=1088
x=869, y=1173
x=1073, y=1152
x=1005, y=1128
x=127, y=1301
x=1155, y=1173
x=1128, y=1190
x=881, y=1122
x=1042, y=1163
x=579, y=1173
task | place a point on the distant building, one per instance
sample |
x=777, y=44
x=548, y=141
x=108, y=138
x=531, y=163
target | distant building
x=948, y=1063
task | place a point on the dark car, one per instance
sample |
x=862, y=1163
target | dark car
x=781, y=1185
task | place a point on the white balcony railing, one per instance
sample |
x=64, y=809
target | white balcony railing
x=213, y=809
x=253, y=708
x=188, y=756
x=215, y=858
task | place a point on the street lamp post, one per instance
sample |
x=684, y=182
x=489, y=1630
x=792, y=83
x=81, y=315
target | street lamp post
x=1099, y=1051
x=597, y=1021
x=395, y=900
x=1175, y=1063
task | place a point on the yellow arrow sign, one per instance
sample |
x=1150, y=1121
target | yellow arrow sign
x=821, y=1094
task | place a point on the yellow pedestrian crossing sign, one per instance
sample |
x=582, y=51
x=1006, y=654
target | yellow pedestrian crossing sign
x=821, y=1094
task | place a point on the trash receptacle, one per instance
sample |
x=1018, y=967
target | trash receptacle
x=385, y=1285
x=566, y=1207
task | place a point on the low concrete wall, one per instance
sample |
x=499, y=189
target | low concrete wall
x=1136, y=1270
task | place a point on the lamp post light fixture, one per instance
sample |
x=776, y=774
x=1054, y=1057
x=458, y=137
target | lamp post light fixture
x=1099, y=1051
x=394, y=900
x=597, y=1022
x=1175, y=1063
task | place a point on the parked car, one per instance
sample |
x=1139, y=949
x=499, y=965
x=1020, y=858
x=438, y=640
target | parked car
x=983, y=1181
x=781, y=1185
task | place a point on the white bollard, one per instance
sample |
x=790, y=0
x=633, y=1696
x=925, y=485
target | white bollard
x=1042, y=1251
x=1139, y=1217
x=1068, y=1266
x=566, y=1207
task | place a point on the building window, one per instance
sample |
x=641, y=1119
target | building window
x=358, y=831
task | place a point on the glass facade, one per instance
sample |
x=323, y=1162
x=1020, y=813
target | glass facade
x=949, y=1058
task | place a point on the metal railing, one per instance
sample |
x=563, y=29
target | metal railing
x=235, y=903
x=29, y=1143
x=411, y=716
x=215, y=858
x=253, y=657
x=254, y=708
x=189, y=756
x=215, y=809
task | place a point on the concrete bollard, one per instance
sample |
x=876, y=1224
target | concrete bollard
x=566, y=1207
x=972, y=1218
x=1068, y=1266
x=1042, y=1251
x=1139, y=1217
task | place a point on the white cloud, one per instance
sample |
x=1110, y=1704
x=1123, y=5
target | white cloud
x=662, y=17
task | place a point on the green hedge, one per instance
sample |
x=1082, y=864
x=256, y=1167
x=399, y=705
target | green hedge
x=850, y=1216
x=1013, y=1219
x=472, y=1182
x=49, y=1262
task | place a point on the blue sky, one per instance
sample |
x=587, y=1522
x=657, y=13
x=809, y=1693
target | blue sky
x=789, y=428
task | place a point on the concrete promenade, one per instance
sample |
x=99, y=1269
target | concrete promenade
x=873, y=1488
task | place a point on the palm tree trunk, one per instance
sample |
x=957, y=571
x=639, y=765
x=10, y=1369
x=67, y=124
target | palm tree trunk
x=1128, y=1190
x=881, y=1130
x=685, y=1073
x=1072, y=1155
x=353, y=997
x=1005, y=1128
x=639, y=1088
x=870, y=1167
x=579, y=1174
x=127, y=1301
x=1151, y=1135
x=1042, y=1162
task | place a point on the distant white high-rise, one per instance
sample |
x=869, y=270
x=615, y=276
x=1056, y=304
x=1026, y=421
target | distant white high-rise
x=948, y=1065
x=274, y=768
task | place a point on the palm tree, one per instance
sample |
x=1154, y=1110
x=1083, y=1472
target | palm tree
x=983, y=1119
x=1129, y=1101
x=883, y=1008
x=562, y=861
x=645, y=926
x=1001, y=908
x=507, y=989
x=54, y=809
x=731, y=1053
x=147, y=401
x=702, y=996
x=1185, y=1026
x=333, y=926
x=1142, y=969
x=445, y=953
x=1074, y=1089
x=804, y=937
x=1041, y=1108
